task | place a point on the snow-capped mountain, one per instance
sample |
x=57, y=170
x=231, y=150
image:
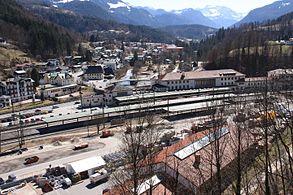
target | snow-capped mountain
x=123, y=12
x=268, y=12
x=223, y=16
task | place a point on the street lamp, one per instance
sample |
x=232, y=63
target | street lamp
x=80, y=97
x=103, y=110
x=91, y=104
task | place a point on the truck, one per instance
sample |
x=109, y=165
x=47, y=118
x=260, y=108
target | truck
x=100, y=175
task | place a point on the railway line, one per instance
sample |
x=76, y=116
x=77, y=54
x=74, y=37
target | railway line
x=69, y=123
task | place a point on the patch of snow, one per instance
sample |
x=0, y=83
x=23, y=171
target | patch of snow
x=284, y=4
x=212, y=12
x=178, y=12
x=66, y=1
x=117, y=5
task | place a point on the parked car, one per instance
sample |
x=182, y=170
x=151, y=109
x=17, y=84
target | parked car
x=11, y=178
x=80, y=146
x=31, y=160
x=76, y=102
x=55, y=106
x=106, y=133
x=106, y=190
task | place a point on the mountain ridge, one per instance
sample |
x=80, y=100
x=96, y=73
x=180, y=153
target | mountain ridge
x=275, y=10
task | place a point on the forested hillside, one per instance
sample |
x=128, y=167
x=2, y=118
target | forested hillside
x=33, y=34
x=252, y=48
x=83, y=24
x=192, y=31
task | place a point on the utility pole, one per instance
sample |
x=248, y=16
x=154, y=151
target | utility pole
x=267, y=185
x=80, y=97
x=168, y=101
x=0, y=139
x=154, y=96
x=103, y=110
x=20, y=134
x=88, y=130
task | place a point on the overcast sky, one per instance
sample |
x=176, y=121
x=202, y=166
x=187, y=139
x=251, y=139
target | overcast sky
x=237, y=5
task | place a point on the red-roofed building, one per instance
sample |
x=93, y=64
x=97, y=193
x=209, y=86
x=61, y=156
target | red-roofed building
x=191, y=162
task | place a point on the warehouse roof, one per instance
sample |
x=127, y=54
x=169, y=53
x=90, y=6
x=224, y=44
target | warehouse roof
x=86, y=164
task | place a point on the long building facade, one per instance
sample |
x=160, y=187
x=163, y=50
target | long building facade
x=202, y=79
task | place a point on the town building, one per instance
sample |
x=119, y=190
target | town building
x=5, y=101
x=2, y=41
x=51, y=91
x=94, y=73
x=192, y=161
x=2, y=88
x=281, y=78
x=59, y=78
x=19, y=74
x=110, y=64
x=201, y=79
x=107, y=96
x=52, y=65
x=20, y=89
x=254, y=84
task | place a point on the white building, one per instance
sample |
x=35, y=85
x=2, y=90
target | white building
x=112, y=64
x=106, y=97
x=254, y=83
x=201, y=79
x=20, y=89
x=50, y=91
